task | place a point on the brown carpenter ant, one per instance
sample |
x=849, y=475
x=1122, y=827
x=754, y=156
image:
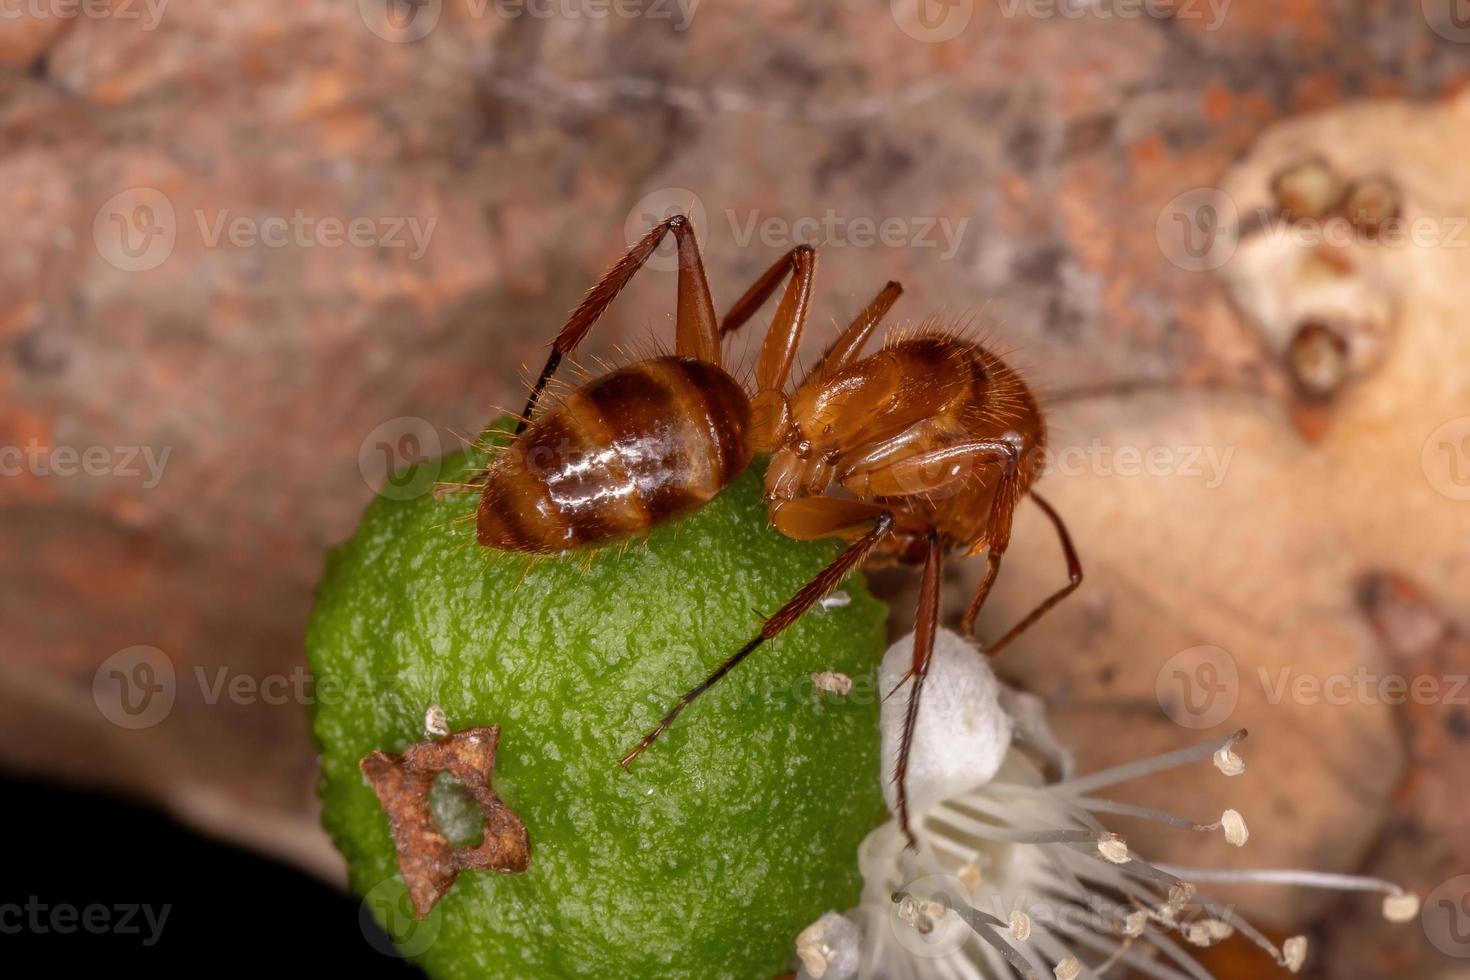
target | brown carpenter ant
x=656, y=438
x=923, y=447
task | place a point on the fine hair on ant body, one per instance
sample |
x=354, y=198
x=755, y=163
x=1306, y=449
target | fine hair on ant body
x=921, y=448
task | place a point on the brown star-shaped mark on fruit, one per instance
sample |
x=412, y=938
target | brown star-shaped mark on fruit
x=428, y=861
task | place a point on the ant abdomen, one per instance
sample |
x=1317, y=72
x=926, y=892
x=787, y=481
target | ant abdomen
x=618, y=456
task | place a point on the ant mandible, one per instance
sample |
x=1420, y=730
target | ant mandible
x=921, y=448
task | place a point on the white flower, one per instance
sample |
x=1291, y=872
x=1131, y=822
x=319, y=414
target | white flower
x=1014, y=871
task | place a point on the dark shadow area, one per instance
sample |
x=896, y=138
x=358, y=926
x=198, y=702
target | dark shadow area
x=91, y=881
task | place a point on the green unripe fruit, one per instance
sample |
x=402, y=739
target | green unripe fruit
x=738, y=828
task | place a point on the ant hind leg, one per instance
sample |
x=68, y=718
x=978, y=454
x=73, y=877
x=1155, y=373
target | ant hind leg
x=1074, y=579
x=697, y=334
x=778, y=350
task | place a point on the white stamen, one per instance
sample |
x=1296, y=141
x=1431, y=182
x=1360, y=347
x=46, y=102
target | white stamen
x=1145, y=767
x=992, y=819
x=1208, y=932
x=1401, y=908
x=1113, y=848
x=1228, y=762
x=1236, y=831
x=1284, y=876
x=1294, y=953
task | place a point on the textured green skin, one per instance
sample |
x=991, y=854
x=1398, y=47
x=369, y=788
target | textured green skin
x=736, y=830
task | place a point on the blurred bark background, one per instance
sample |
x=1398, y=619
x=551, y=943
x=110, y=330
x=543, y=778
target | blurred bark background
x=1046, y=177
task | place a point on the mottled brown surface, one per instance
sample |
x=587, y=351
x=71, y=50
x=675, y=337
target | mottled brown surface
x=532, y=144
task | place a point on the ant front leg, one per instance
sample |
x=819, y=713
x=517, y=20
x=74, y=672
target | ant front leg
x=807, y=596
x=926, y=625
x=939, y=470
x=696, y=332
x=849, y=344
x=997, y=538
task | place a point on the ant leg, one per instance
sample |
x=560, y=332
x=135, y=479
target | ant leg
x=778, y=350
x=849, y=343
x=925, y=626
x=812, y=518
x=801, y=261
x=929, y=472
x=807, y=596
x=997, y=538
x=696, y=332
x=1074, y=579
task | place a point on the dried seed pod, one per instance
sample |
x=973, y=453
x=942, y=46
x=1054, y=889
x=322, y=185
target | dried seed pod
x=1308, y=188
x=1372, y=202
x=429, y=862
x=1318, y=360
